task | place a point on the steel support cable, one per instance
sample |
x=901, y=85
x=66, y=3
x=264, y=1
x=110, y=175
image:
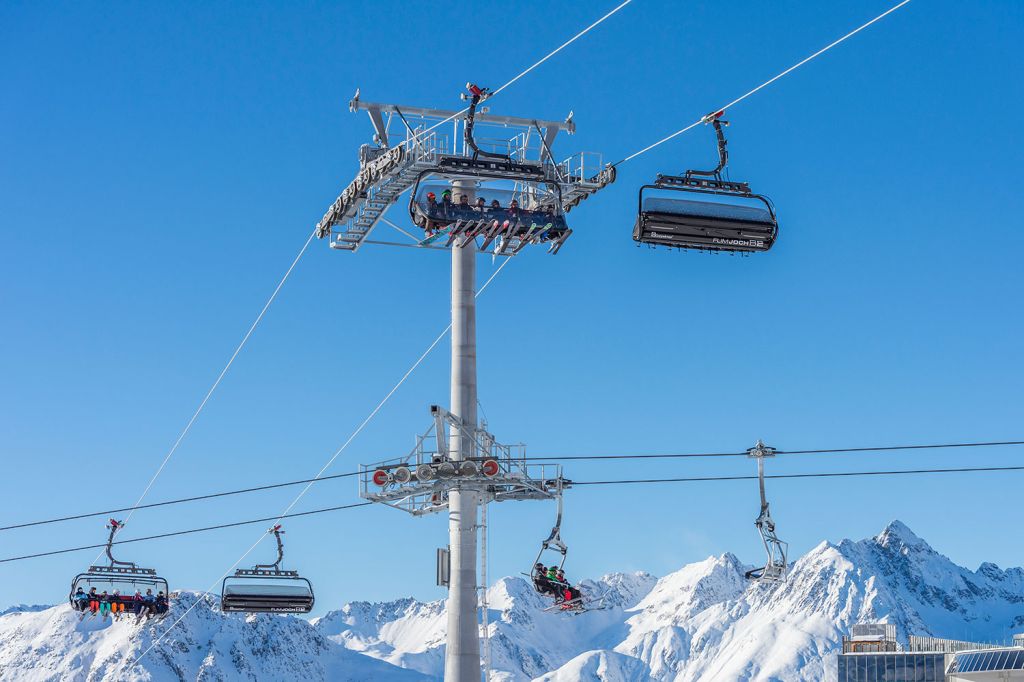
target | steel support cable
x=306, y=245
x=766, y=83
x=320, y=473
x=884, y=448
x=216, y=383
x=543, y=59
x=829, y=474
x=271, y=486
x=688, y=479
x=220, y=377
x=188, y=532
x=183, y=500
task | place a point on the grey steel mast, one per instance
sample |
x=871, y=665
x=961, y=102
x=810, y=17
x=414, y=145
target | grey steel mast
x=462, y=656
x=466, y=465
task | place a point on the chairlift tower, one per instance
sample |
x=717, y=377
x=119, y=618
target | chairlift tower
x=503, y=159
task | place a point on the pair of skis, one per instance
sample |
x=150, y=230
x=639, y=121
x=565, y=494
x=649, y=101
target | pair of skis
x=453, y=231
x=579, y=605
x=507, y=236
x=502, y=235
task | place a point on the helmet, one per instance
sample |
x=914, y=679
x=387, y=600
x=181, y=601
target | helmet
x=431, y=195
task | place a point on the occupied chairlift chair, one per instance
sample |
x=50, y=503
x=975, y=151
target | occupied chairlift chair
x=266, y=588
x=121, y=575
x=775, y=567
x=736, y=220
x=508, y=232
x=552, y=543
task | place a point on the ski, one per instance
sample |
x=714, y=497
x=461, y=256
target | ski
x=505, y=239
x=471, y=233
x=557, y=244
x=547, y=230
x=496, y=229
x=438, y=234
x=459, y=228
x=525, y=239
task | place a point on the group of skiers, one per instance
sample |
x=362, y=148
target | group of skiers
x=104, y=604
x=443, y=212
x=553, y=581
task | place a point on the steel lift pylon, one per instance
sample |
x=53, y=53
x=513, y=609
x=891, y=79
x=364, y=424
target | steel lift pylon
x=471, y=148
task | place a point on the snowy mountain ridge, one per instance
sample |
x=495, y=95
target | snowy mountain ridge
x=702, y=622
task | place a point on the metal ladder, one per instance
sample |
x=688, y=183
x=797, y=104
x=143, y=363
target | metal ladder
x=378, y=198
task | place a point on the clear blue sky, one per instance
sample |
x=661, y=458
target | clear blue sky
x=160, y=166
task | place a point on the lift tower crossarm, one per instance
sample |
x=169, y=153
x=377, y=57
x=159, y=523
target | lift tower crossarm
x=568, y=125
x=516, y=148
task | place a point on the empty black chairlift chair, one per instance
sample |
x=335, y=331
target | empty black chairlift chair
x=701, y=210
x=123, y=576
x=266, y=588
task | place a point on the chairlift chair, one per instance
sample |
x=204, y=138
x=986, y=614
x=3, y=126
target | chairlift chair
x=701, y=210
x=775, y=568
x=125, y=576
x=554, y=543
x=267, y=588
x=543, y=221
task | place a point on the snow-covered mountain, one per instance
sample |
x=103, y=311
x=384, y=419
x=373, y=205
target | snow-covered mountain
x=706, y=621
x=702, y=622
x=206, y=645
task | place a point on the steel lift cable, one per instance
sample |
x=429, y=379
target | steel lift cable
x=705, y=119
x=316, y=478
x=216, y=383
x=689, y=479
x=183, y=500
x=885, y=448
x=271, y=486
x=533, y=66
x=220, y=377
x=189, y=532
x=516, y=78
x=830, y=474
x=306, y=245
x=387, y=397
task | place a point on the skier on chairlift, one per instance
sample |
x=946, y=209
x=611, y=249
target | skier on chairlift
x=557, y=589
x=104, y=605
x=540, y=580
x=432, y=211
x=161, y=602
x=446, y=204
x=571, y=593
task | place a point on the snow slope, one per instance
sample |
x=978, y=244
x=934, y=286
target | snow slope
x=702, y=622
x=207, y=645
x=706, y=621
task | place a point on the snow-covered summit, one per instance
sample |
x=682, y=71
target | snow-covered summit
x=54, y=644
x=705, y=621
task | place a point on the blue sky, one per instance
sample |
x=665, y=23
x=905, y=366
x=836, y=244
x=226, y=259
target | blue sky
x=160, y=166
